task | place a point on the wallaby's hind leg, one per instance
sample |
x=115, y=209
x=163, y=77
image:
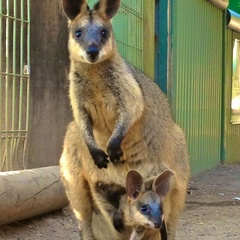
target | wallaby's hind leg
x=78, y=193
x=176, y=208
x=82, y=208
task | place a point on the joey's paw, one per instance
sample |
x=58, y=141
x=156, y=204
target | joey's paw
x=114, y=152
x=118, y=221
x=100, y=158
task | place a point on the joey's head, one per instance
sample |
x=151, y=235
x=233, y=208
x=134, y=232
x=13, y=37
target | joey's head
x=145, y=199
x=91, y=37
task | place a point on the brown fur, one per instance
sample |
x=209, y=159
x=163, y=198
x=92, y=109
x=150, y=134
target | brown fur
x=121, y=114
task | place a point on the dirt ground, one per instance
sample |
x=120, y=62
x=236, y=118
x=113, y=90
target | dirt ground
x=212, y=212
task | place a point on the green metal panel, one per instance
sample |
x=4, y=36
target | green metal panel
x=14, y=82
x=196, y=86
x=231, y=143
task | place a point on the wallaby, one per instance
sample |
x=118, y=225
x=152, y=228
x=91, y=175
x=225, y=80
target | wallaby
x=141, y=207
x=122, y=121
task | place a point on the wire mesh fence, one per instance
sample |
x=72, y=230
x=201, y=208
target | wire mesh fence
x=14, y=82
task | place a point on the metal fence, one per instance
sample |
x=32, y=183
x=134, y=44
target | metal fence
x=14, y=82
x=128, y=27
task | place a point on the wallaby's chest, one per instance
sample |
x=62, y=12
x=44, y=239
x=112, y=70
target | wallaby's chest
x=100, y=103
x=101, y=110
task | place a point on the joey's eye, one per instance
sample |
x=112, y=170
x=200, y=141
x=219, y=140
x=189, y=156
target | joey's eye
x=145, y=209
x=104, y=33
x=78, y=33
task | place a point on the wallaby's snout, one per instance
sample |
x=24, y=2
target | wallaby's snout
x=92, y=52
x=158, y=224
x=91, y=41
x=155, y=215
x=150, y=212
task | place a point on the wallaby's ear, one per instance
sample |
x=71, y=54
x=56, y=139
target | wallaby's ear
x=73, y=7
x=108, y=7
x=161, y=184
x=134, y=184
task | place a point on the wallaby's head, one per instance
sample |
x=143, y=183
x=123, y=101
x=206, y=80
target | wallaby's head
x=145, y=198
x=91, y=37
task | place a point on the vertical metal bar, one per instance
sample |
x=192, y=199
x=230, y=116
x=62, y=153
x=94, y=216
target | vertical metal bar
x=28, y=63
x=1, y=143
x=136, y=39
x=169, y=50
x=21, y=73
x=13, y=140
x=7, y=86
x=141, y=32
x=20, y=112
x=224, y=74
x=28, y=82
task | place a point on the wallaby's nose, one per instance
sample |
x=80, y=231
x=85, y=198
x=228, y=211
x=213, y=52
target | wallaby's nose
x=157, y=224
x=92, y=52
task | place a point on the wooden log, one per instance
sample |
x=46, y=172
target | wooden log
x=28, y=193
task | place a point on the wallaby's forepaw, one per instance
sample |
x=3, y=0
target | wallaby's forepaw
x=114, y=152
x=100, y=158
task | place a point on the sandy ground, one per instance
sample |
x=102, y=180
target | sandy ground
x=212, y=212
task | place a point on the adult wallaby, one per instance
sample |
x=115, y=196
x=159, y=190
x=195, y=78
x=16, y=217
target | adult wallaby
x=139, y=206
x=122, y=122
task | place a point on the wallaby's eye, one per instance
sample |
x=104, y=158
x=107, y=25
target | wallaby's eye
x=145, y=209
x=104, y=33
x=78, y=33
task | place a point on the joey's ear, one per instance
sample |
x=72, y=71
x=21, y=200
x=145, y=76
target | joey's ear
x=108, y=7
x=161, y=184
x=134, y=184
x=73, y=7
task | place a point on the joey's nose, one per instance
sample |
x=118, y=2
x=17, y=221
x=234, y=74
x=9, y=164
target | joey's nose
x=92, y=52
x=157, y=224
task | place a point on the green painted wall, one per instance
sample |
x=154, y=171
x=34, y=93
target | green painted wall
x=196, y=85
x=231, y=139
